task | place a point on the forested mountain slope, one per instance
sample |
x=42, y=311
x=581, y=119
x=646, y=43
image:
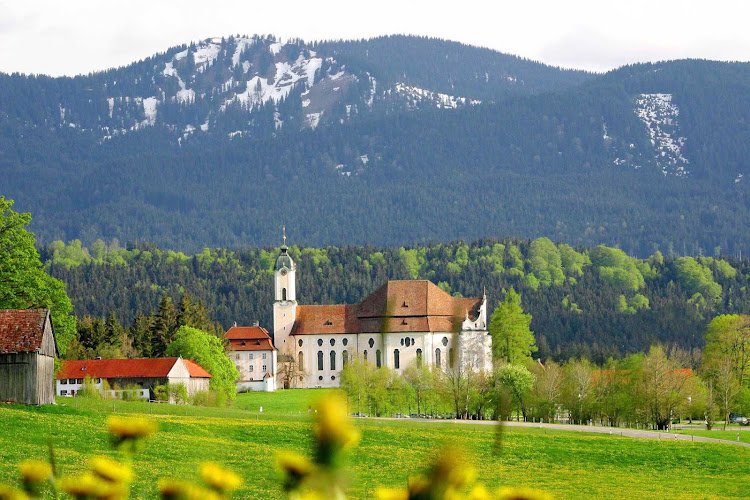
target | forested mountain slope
x=599, y=302
x=389, y=141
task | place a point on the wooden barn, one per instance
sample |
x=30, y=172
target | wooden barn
x=27, y=356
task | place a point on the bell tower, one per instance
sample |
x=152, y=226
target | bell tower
x=285, y=299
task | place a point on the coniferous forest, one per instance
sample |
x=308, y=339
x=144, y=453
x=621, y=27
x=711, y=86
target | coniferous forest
x=597, y=302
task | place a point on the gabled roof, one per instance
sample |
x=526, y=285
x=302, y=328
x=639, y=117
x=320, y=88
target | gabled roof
x=397, y=306
x=21, y=330
x=126, y=368
x=249, y=338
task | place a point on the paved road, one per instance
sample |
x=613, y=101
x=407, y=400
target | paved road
x=633, y=433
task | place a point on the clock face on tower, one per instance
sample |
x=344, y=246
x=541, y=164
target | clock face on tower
x=282, y=272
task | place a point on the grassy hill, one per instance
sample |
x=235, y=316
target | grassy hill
x=567, y=465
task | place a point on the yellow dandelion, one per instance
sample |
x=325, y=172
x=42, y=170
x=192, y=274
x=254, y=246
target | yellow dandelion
x=461, y=475
x=391, y=494
x=130, y=428
x=508, y=493
x=183, y=490
x=219, y=479
x=35, y=471
x=295, y=467
x=111, y=470
x=333, y=427
x=479, y=492
x=90, y=486
x=8, y=493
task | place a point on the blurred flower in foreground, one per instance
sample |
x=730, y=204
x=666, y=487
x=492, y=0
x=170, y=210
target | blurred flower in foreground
x=333, y=430
x=129, y=432
x=35, y=474
x=296, y=468
x=89, y=486
x=8, y=493
x=521, y=494
x=218, y=479
x=111, y=470
x=183, y=490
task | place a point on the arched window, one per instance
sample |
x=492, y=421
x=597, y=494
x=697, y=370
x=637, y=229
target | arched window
x=377, y=358
x=396, y=361
x=451, y=357
x=333, y=360
x=437, y=358
x=320, y=360
x=301, y=361
x=364, y=355
x=371, y=343
x=344, y=358
x=419, y=357
x=283, y=294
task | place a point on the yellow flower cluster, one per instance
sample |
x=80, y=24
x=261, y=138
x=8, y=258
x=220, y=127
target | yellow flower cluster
x=221, y=480
x=184, y=490
x=8, y=493
x=130, y=428
x=90, y=486
x=111, y=470
x=333, y=428
x=35, y=471
x=296, y=469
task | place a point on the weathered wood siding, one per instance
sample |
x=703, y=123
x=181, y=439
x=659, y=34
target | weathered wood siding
x=18, y=382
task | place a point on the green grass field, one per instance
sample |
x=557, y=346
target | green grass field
x=566, y=464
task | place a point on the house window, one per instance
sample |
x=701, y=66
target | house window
x=345, y=341
x=333, y=341
x=437, y=358
x=419, y=357
x=250, y=356
x=63, y=393
x=320, y=360
x=364, y=354
x=265, y=368
x=300, y=342
x=320, y=342
x=445, y=341
x=371, y=343
x=396, y=361
x=408, y=341
x=377, y=358
x=252, y=368
x=344, y=358
x=301, y=361
x=333, y=360
x=237, y=356
x=451, y=357
x=283, y=294
x=264, y=355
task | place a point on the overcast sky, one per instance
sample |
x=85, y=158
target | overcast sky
x=67, y=37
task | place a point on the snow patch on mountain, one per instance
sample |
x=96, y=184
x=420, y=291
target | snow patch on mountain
x=416, y=95
x=242, y=44
x=659, y=114
x=149, y=109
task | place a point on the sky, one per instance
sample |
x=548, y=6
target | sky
x=80, y=36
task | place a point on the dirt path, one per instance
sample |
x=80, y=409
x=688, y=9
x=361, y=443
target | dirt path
x=615, y=431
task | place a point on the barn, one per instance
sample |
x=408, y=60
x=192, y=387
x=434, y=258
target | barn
x=27, y=356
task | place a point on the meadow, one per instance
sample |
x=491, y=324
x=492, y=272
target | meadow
x=565, y=464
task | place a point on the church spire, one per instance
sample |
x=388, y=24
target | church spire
x=283, y=232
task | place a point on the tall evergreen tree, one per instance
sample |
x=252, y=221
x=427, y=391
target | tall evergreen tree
x=512, y=339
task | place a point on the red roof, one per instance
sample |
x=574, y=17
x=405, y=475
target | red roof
x=397, y=306
x=249, y=338
x=126, y=368
x=21, y=330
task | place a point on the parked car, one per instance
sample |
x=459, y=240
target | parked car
x=737, y=419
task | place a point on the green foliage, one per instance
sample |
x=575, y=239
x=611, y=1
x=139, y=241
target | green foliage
x=546, y=263
x=23, y=282
x=208, y=351
x=616, y=268
x=518, y=380
x=697, y=278
x=512, y=339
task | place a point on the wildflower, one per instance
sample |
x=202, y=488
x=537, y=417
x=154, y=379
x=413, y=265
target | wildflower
x=391, y=494
x=183, y=490
x=479, y=492
x=295, y=467
x=35, y=471
x=129, y=432
x=111, y=470
x=90, y=486
x=8, y=493
x=221, y=480
x=332, y=429
x=508, y=493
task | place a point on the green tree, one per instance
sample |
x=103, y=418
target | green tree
x=518, y=381
x=208, y=351
x=512, y=339
x=23, y=282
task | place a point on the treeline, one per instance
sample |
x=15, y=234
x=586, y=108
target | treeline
x=596, y=303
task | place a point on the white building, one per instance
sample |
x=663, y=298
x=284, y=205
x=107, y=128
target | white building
x=402, y=322
x=120, y=374
x=252, y=352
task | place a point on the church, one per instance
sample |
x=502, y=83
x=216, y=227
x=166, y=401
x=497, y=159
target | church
x=402, y=322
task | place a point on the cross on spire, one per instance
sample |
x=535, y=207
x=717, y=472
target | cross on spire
x=283, y=231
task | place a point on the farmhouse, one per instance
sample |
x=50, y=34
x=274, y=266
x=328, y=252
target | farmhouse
x=145, y=374
x=252, y=351
x=27, y=356
x=403, y=322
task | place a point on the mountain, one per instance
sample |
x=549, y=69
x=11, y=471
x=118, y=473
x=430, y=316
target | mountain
x=388, y=141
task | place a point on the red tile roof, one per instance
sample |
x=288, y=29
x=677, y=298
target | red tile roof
x=249, y=338
x=126, y=368
x=21, y=330
x=397, y=306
